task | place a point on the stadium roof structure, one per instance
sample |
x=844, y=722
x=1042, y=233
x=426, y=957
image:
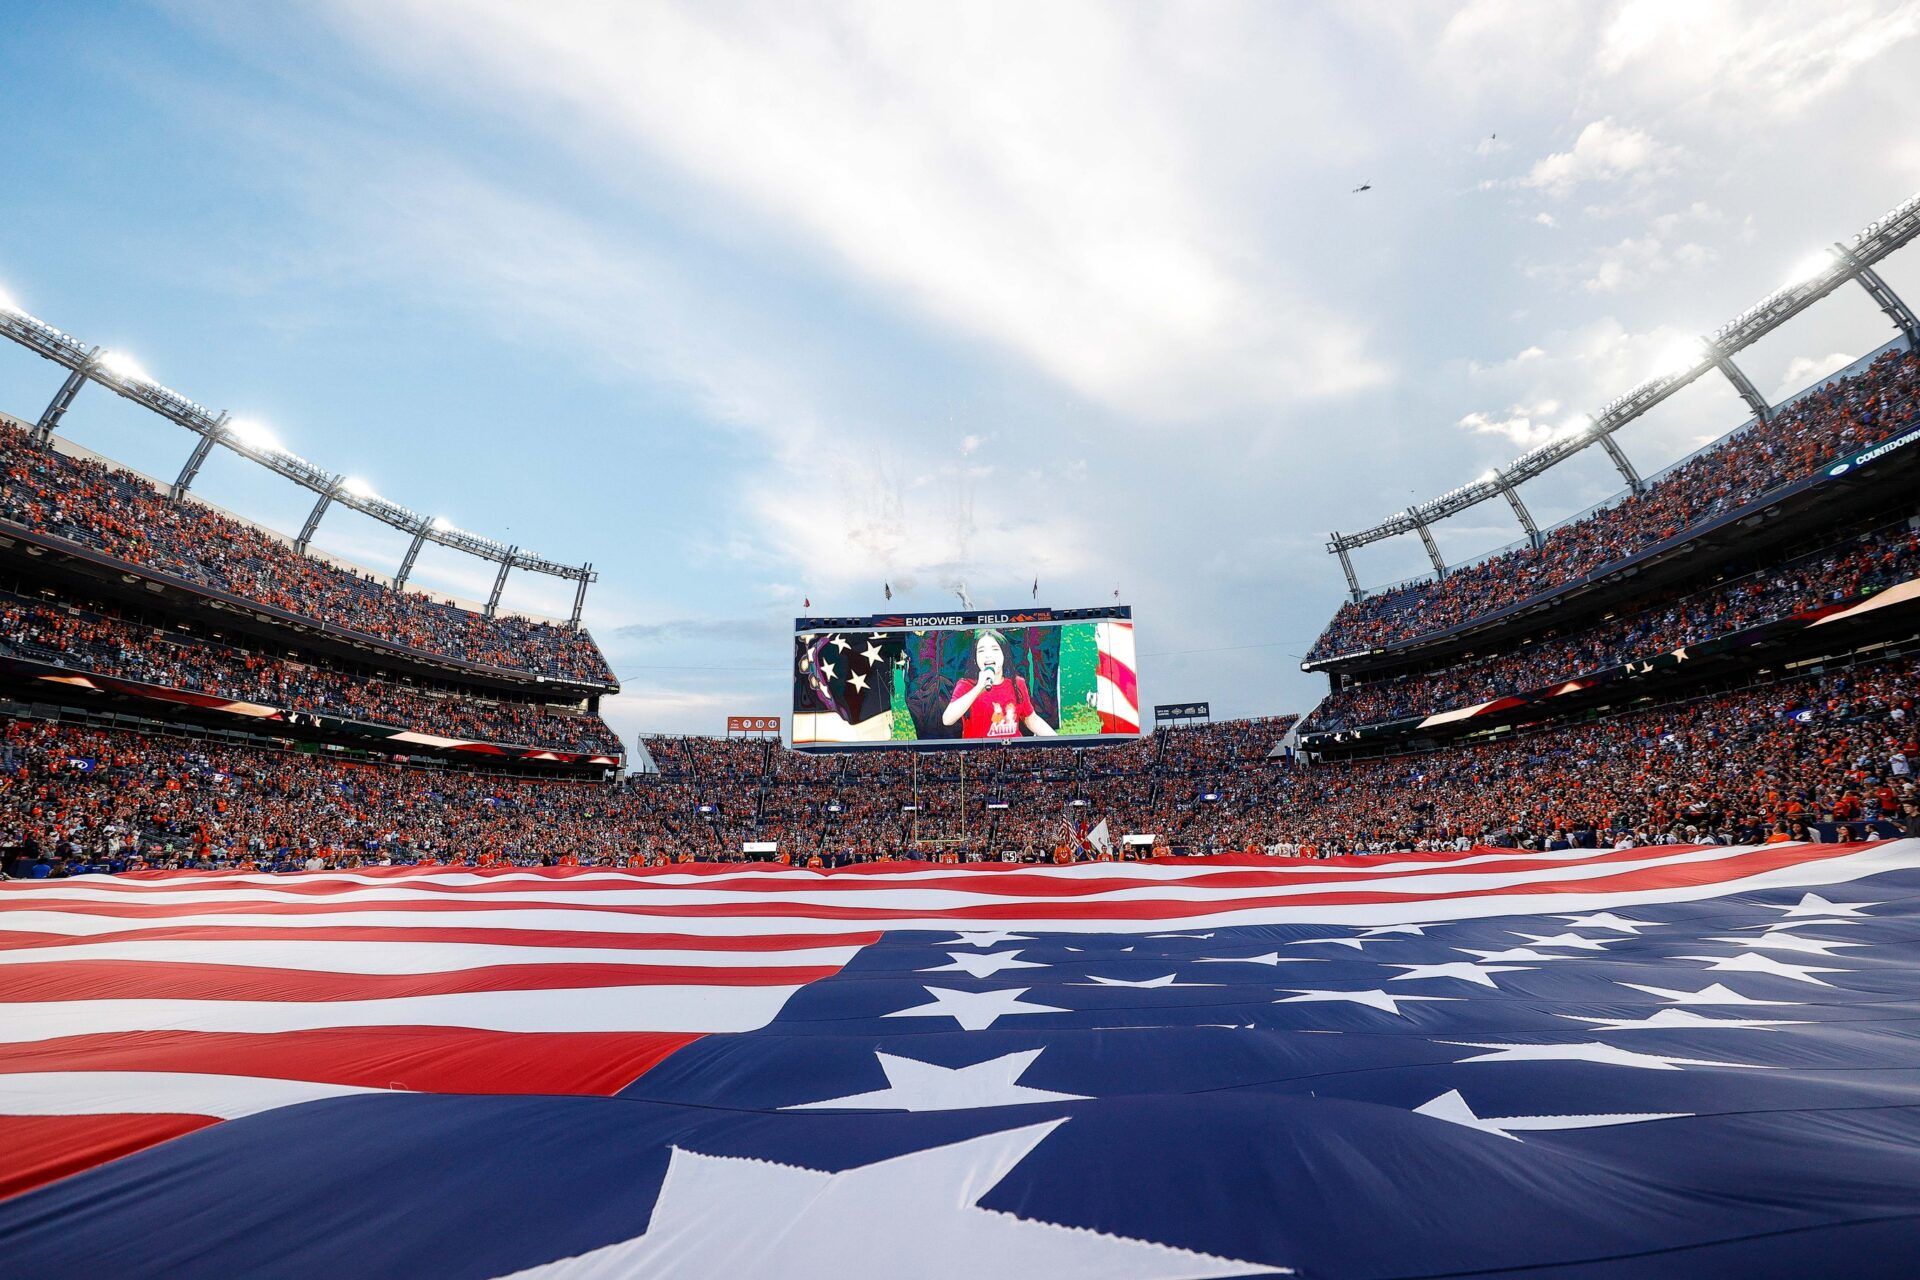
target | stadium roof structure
x=1821, y=275
x=121, y=376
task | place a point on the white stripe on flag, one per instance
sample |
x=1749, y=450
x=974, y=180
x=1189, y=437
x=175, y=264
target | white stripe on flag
x=628, y=1009
x=323, y=956
x=184, y=1093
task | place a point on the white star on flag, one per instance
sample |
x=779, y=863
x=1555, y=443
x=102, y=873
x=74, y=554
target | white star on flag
x=1167, y=981
x=1453, y=1108
x=913, y=1085
x=1824, y=922
x=1813, y=904
x=983, y=938
x=1606, y=920
x=1568, y=941
x=1459, y=969
x=1201, y=936
x=980, y=965
x=1375, y=999
x=1419, y=930
x=1270, y=958
x=1715, y=994
x=974, y=1010
x=1748, y=962
x=871, y=653
x=1358, y=944
x=1789, y=942
x=1681, y=1019
x=840, y=643
x=858, y=681
x=913, y=1215
x=1605, y=1055
x=1512, y=953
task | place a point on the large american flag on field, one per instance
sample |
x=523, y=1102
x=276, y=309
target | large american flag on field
x=1647, y=1062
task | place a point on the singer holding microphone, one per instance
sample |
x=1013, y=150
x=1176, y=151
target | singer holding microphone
x=992, y=704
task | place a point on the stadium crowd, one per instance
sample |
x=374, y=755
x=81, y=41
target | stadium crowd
x=122, y=516
x=1840, y=418
x=1832, y=752
x=103, y=642
x=1834, y=576
x=1733, y=768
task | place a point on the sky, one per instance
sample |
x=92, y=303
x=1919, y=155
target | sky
x=755, y=304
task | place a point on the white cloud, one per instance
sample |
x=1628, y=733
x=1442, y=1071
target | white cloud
x=1634, y=263
x=1775, y=60
x=1604, y=152
x=1525, y=425
x=1581, y=369
x=1655, y=257
x=850, y=523
x=854, y=236
x=1804, y=371
x=921, y=149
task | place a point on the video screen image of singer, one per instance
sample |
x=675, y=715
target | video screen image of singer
x=993, y=683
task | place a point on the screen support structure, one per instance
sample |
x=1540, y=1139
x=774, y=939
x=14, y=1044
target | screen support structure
x=915, y=837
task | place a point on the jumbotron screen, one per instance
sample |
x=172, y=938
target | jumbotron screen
x=965, y=679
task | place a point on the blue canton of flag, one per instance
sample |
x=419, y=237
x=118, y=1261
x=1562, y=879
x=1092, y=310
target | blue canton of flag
x=1675, y=1084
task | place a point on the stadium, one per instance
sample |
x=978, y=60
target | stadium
x=379, y=897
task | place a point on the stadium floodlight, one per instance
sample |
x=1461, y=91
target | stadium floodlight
x=440, y=524
x=8, y=305
x=355, y=487
x=1811, y=267
x=124, y=367
x=251, y=434
x=1683, y=355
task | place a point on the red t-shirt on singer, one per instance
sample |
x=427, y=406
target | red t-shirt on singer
x=997, y=713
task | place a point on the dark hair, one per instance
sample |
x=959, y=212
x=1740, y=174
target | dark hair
x=999, y=638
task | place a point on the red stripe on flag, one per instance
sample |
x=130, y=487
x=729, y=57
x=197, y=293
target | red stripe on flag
x=1121, y=675
x=1079, y=906
x=503, y=937
x=41, y=1149
x=424, y=1059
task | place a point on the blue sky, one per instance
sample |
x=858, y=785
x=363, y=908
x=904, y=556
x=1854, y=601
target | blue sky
x=750, y=303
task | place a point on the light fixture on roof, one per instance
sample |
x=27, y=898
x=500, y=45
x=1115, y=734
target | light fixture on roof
x=124, y=367
x=355, y=487
x=252, y=434
x=1683, y=355
x=1578, y=425
x=8, y=305
x=440, y=524
x=1811, y=267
